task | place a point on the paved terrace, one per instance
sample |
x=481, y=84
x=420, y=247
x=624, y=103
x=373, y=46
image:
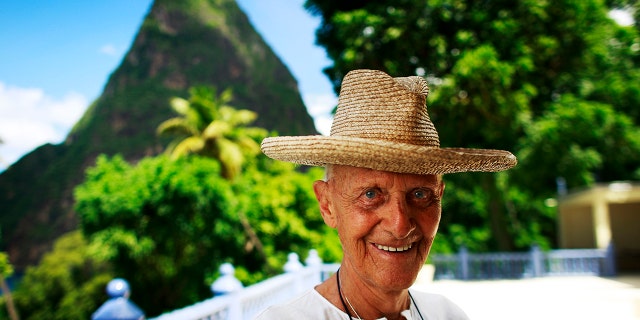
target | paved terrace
x=548, y=298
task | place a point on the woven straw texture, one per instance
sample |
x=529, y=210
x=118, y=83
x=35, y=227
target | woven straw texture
x=382, y=123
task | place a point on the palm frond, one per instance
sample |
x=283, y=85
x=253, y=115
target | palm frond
x=250, y=146
x=256, y=133
x=216, y=129
x=231, y=157
x=242, y=117
x=225, y=97
x=176, y=126
x=190, y=145
x=179, y=105
x=210, y=127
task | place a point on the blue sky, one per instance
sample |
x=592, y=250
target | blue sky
x=57, y=56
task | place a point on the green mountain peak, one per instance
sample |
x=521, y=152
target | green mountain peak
x=179, y=45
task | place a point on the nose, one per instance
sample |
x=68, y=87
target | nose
x=397, y=219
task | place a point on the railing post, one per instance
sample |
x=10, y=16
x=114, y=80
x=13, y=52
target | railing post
x=293, y=263
x=463, y=256
x=537, y=261
x=293, y=266
x=314, y=262
x=610, y=261
x=118, y=306
x=227, y=284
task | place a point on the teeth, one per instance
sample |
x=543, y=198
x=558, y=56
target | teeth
x=393, y=249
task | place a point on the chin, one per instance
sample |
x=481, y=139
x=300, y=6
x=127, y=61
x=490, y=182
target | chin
x=399, y=276
x=398, y=282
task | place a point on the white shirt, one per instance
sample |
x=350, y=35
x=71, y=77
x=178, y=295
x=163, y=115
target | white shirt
x=312, y=305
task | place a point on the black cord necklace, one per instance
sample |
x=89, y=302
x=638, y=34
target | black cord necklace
x=344, y=305
x=415, y=304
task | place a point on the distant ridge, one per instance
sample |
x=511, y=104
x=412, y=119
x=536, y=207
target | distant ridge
x=180, y=44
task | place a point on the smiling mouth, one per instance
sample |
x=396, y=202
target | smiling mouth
x=394, y=249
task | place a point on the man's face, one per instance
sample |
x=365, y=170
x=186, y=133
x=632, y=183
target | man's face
x=386, y=221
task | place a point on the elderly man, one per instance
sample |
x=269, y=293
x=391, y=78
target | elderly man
x=382, y=193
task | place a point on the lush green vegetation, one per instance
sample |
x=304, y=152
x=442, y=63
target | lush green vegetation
x=181, y=44
x=208, y=126
x=168, y=222
x=67, y=284
x=556, y=82
x=166, y=225
x=6, y=270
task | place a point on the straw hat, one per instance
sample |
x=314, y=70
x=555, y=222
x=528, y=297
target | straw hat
x=382, y=123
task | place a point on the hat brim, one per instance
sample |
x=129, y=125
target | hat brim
x=384, y=155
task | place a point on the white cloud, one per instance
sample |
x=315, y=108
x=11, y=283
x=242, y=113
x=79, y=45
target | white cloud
x=109, y=50
x=320, y=107
x=30, y=118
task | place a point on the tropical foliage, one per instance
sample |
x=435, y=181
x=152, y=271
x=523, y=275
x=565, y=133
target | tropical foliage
x=279, y=201
x=67, y=284
x=163, y=225
x=6, y=270
x=208, y=126
x=556, y=82
x=178, y=45
x=167, y=225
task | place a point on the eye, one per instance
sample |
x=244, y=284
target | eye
x=370, y=194
x=371, y=198
x=422, y=196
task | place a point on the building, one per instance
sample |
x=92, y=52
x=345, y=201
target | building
x=600, y=215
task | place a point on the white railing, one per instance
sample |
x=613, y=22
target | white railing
x=516, y=265
x=248, y=302
x=231, y=301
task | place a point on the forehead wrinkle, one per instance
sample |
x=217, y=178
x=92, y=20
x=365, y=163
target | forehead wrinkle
x=366, y=178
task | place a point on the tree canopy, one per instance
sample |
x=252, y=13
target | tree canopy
x=164, y=225
x=67, y=284
x=168, y=222
x=167, y=225
x=557, y=83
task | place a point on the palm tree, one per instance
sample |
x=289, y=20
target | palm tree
x=208, y=126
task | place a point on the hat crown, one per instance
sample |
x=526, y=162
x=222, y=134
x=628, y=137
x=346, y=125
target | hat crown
x=382, y=124
x=373, y=105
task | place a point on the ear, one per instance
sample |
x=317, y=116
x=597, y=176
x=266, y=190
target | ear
x=441, y=189
x=321, y=189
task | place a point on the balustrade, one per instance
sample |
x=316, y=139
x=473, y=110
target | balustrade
x=233, y=301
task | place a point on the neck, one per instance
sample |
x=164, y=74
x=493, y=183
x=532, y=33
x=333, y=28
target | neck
x=365, y=301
